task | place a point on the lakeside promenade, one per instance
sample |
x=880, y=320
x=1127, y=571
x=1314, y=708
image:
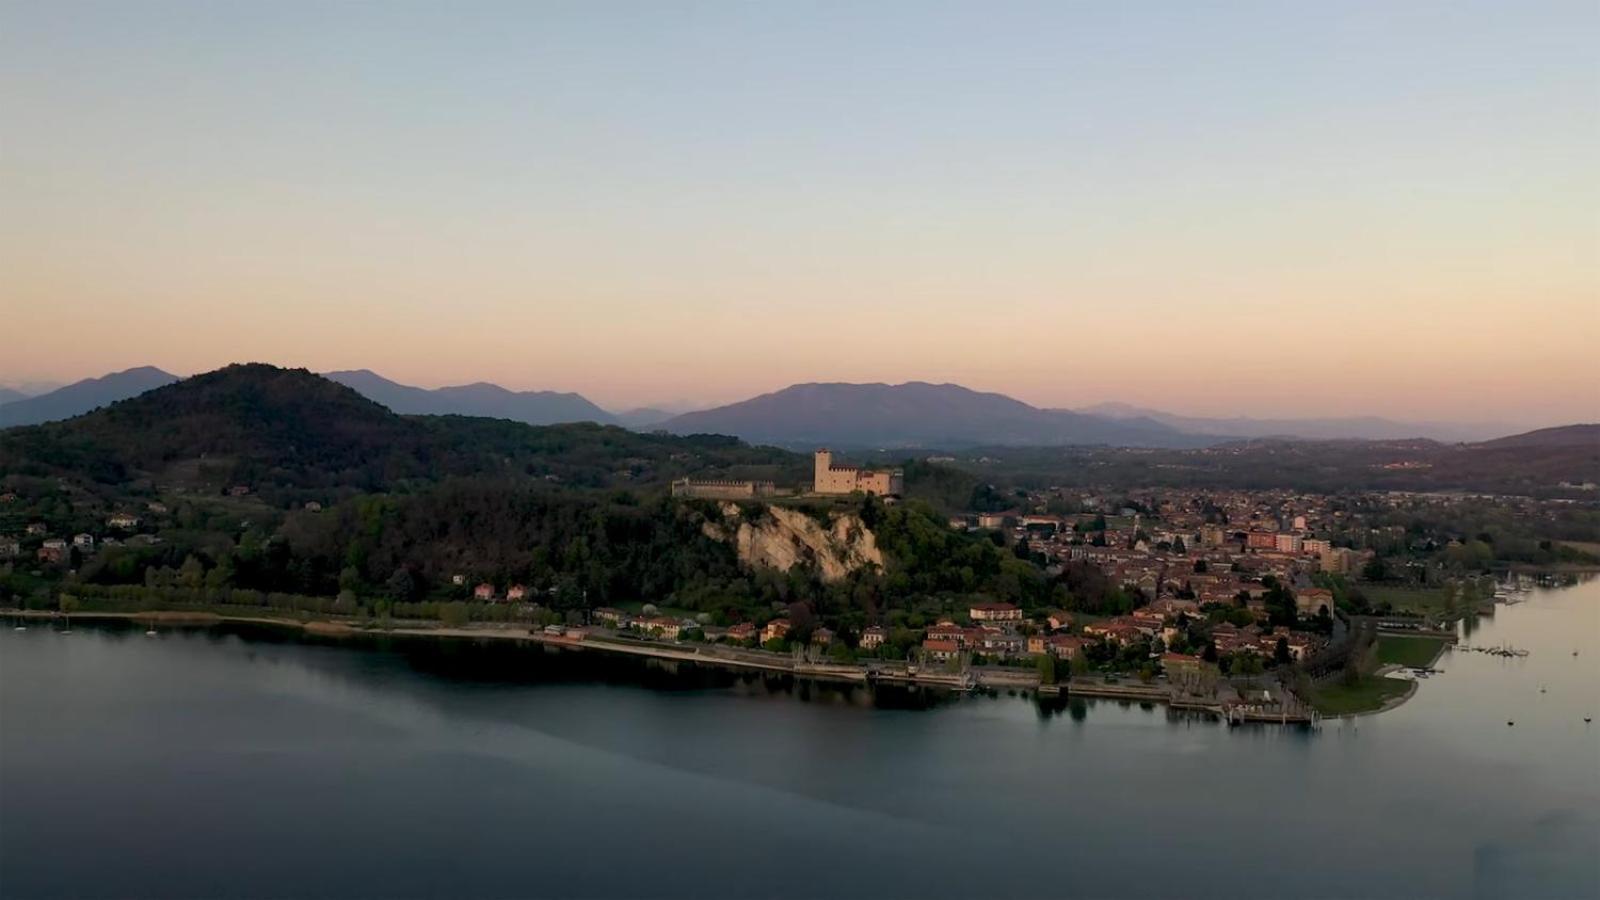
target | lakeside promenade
x=590, y=639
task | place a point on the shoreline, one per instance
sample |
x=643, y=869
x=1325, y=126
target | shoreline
x=728, y=658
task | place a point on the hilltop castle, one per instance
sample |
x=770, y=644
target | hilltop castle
x=832, y=479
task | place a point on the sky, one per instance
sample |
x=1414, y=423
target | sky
x=1296, y=209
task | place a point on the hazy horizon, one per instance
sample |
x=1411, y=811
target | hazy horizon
x=678, y=407
x=1237, y=209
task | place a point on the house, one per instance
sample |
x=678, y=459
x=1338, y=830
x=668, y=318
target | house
x=83, y=541
x=1149, y=621
x=993, y=520
x=516, y=593
x=1064, y=646
x=483, y=591
x=52, y=554
x=776, y=630
x=1309, y=600
x=666, y=626
x=1177, y=664
x=156, y=506
x=238, y=490
x=613, y=617
x=998, y=643
x=1120, y=630
x=122, y=520
x=995, y=612
x=458, y=579
x=822, y=636
x=940, y=651
x=873, y=637
x=1058, y=620
x=10, y=547
x=1171, y=607
x=37, y=528
x=742, y=632
x=313, y=506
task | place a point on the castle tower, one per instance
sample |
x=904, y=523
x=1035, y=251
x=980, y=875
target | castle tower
x=819, y=475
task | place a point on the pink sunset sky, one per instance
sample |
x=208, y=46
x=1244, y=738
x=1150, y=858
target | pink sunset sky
x=1279, y=210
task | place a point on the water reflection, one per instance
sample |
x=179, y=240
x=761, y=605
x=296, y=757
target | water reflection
x=473, y=763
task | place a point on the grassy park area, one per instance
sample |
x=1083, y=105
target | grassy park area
x=1406, y=650
x=1366, y=695
x=1369, y=692
x=1422, y=601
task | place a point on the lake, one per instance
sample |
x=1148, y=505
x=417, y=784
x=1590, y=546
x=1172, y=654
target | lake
x=250, y=762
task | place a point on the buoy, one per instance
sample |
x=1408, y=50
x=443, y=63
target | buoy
x=1509, y=722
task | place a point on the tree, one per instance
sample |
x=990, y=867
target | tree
x=1375, y=569
x=1047, y=669
x=401, y=586
x=1280, y=653
x=192, y=572
x=349, y=578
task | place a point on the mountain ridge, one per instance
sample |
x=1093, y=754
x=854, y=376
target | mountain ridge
x=83, y=396
x=294, y=433
x=1372, y=428
x=913, y=414
x=480, y=398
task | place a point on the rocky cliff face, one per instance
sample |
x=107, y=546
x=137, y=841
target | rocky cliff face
x=784, y=538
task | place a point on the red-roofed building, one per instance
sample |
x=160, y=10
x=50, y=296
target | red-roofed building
x=776, y=630
x=995, y=612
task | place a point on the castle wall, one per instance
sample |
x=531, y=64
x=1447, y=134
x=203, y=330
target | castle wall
x=722, y=490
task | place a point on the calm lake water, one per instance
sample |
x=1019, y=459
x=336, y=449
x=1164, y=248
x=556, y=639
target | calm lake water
x=241, y=763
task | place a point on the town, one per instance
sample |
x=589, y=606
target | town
x=1266, y=603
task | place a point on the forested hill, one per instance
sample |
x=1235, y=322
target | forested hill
x=211, y=482
x=292, y=433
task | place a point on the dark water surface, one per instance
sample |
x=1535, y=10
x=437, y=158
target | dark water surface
x=234, y=762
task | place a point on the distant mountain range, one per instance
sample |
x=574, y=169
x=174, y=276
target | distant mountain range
x=80, y=397
x=7, y=395
x=916, y=414
x=480, y=399
x=301, y=435
x=847, y=416
x=1371, y=428
x=1574, y=436
x=644, y=417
